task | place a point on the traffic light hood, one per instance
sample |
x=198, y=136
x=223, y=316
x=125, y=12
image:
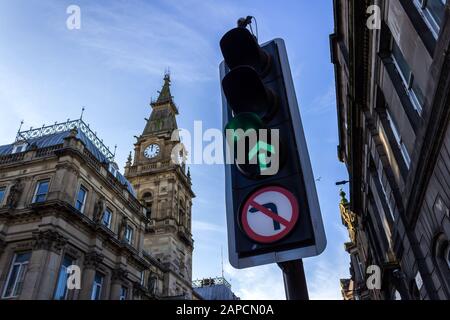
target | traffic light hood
x=239, y=47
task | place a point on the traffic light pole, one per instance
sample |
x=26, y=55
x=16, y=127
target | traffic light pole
x=294, y=280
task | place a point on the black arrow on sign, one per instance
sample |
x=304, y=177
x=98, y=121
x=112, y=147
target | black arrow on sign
x=272, y=207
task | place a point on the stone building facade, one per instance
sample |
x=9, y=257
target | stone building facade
x=67, y=213
x=393, y=90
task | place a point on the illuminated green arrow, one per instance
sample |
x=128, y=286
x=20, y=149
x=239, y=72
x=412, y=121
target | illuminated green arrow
x=245, y=122
x=262, y=157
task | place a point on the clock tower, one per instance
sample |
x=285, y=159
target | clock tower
x=164, y=187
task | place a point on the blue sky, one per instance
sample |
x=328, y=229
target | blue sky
x=115, y=64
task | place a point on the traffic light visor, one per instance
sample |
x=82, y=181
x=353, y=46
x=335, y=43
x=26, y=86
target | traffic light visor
x=239, y=47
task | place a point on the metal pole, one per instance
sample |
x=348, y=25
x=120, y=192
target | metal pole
x=294, y=280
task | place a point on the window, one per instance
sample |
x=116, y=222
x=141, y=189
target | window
x=16, y=276
x=123, y=293
x=113, y=169
x=61, y=287
x=41, y=191
x=147, y=196
x=399, y=140
x=181, y=216
x=142, y=278
x=383, y=189
x=148, y=203
x=360, y=268
x=148, y=209
x=432, y=12
x=107, y=218
x=2, y=194
x=129, y=234
x=412, y=90
x=97, y=286
x=19, y=148
x=81, y=199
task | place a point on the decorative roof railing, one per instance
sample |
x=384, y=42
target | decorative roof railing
x=67, y=126
x=210, y=282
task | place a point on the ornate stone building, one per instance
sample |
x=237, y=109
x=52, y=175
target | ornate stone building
x=393, y=103
x=67, y=213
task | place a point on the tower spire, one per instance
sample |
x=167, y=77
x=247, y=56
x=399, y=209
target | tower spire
x=164, y=95
x=163, y=116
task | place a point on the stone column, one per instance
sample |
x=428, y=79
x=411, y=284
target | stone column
x=50, y=275
x=43, y=267
x=91, y=262
x=65, y=183
x=2, y=264
x=156, y=204
x=119, y=277
x=2, y=246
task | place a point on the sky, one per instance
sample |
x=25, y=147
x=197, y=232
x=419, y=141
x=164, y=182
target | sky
x=115, y=63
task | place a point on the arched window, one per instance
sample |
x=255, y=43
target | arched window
x=147, y=199
x=147, y=195
x=181, y=216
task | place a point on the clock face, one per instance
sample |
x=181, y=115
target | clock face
x=152, y=151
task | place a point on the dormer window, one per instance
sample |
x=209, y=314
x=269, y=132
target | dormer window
x=114, y=169
x=19, y=148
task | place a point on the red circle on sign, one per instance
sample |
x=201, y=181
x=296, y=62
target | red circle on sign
x=269, y=239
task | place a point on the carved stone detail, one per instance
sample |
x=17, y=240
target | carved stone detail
x=49, y=240
x=74, y=253
x=138, y=290
x=123, y=227
x=71, y=168
x=119, y=275
x=152, y=283
x=93, y=259
x=14, y=194
x=348, y=217
x=99, y=209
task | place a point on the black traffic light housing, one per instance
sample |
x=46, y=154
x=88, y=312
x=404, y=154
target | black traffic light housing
x=258, y=93
x=240, y=48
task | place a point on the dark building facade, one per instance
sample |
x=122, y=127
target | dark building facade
x=393, y=89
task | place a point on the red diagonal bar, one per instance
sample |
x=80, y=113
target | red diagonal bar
x=269, y=213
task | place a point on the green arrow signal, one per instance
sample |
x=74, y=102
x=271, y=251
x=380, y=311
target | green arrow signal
x=262, y=157
x=245, y=122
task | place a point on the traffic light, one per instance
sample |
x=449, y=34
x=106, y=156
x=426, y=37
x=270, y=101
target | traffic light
x=273, y=213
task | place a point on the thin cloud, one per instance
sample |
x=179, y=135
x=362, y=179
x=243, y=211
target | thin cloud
x=203, y=226
x=327, y=269
x=259, y=283
x=20, y=102
x=142, y=37
x=324, y=103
